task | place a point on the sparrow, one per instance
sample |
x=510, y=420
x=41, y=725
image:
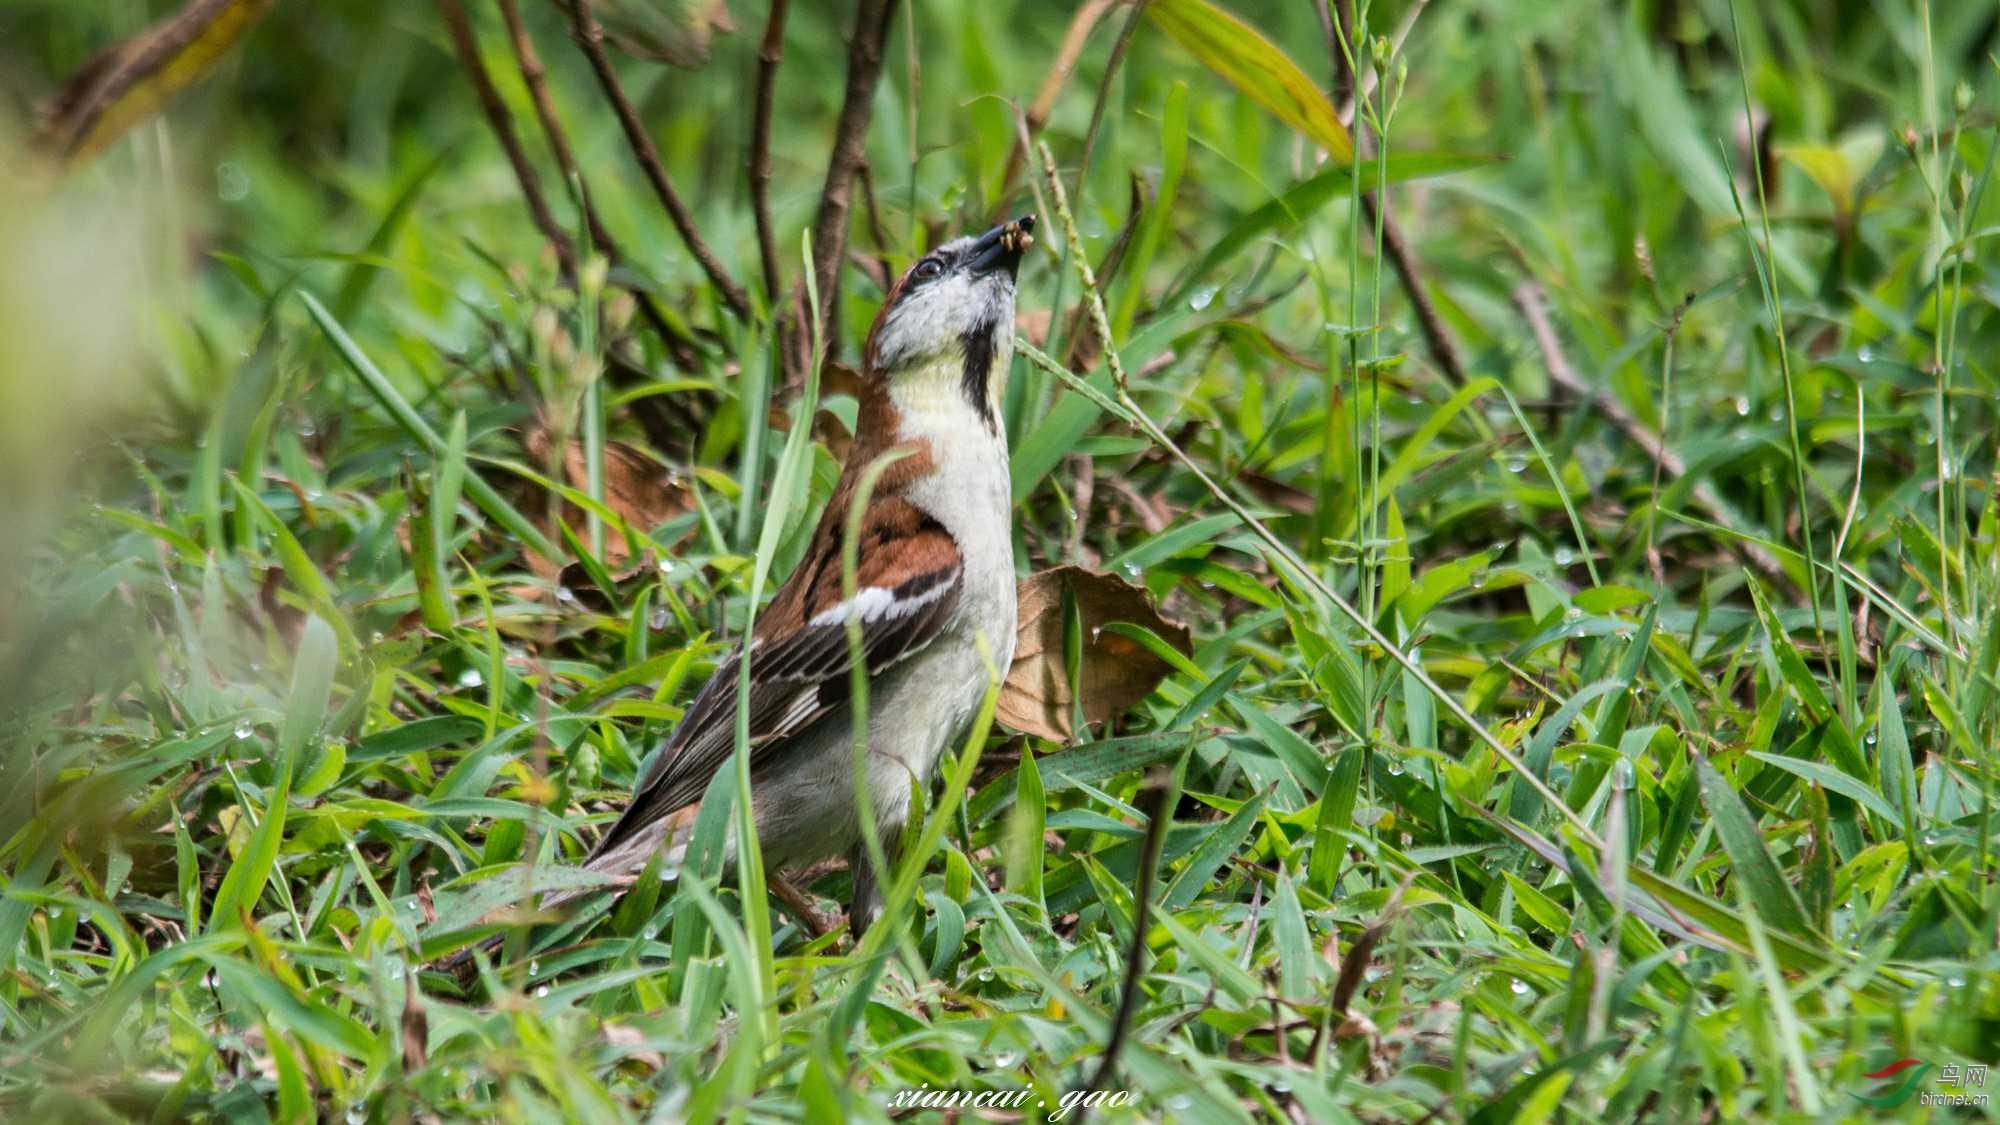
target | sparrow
x=934, y=595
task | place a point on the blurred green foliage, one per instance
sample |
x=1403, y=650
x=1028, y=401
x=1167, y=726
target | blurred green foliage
x=270, y=639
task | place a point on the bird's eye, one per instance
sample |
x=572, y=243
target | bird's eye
x=929, y=268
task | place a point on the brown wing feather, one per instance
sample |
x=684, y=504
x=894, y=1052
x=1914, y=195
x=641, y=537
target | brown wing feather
x=799, y=669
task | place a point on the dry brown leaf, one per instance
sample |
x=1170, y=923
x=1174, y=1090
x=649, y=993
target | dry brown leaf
x=1117, y=670
x=676, y=32
x=1034, y=325
x=416, y=1028
x=638, y=488
x=633, y=1042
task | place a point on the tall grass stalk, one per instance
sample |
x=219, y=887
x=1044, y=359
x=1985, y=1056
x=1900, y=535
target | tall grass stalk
x=1774, y=304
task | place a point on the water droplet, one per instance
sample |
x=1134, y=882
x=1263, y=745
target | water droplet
x=307, y=429
x=1478, y=579
x=565, y=594
x=1866, y=354
x=1565, y=556
x=1395, y=769
x=1202, y=298
x=1742, y=406
x=470, y=678
x=1008, y=1060
x=1517, y=463
x=534, y=967
x=657, y=619
x=542, y=991
x=1955, y=982
x=232, y=183
x=243, y=731
x=1520, y=987
x=356, y=1115
x=375, y=638
x=1572, y=615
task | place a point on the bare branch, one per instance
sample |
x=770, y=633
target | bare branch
x=589, y=36
x=876, y=233
x=1529, y=298
x=536, y=78
x=770, y=53
x=1437, y=338
x=467, y=48
x=1080, y=26
x=865, y=48
x=1156, y=801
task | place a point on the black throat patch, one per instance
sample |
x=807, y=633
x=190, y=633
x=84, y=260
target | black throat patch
x=978, y=341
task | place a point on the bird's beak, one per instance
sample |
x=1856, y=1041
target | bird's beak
x=1002, y=247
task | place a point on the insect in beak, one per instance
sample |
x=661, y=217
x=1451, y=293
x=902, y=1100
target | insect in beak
x=1002, y=247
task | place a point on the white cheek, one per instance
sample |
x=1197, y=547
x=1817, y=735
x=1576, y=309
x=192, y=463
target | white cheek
x=927, y=321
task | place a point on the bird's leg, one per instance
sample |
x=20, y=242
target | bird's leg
x=865, y=903
x=800, y=904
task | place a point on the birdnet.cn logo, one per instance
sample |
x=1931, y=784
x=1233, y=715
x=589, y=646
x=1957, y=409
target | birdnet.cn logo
x=1904, y=1079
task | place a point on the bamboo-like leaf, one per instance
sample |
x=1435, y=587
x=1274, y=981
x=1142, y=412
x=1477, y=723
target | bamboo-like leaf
x=129, y=82
x=1253, y=64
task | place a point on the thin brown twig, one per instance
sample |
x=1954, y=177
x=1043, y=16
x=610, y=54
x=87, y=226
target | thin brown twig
x=1062, y=328
x=1531, y=301
x=1080, y=26
x=1123, y=403
x=502, y=123
x=770, y=52
x=1158, y=808
x=535, y=77
x=876, y=233
x=1437, y=338
x=589, y=36
x=1104, y=91
x=865, y=50
x=793, y=348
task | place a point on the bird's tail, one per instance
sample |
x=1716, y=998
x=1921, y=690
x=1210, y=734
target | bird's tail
x=624, y=863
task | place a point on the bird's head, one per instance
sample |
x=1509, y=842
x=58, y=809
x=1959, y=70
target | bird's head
x=948, y=324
